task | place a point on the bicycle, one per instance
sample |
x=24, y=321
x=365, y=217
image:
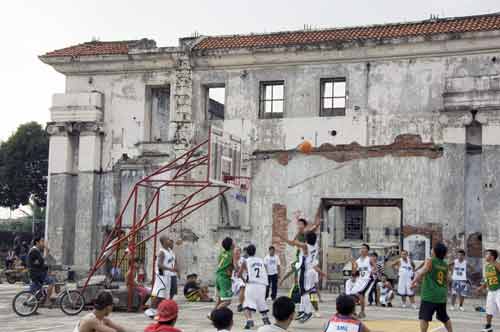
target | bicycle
x=27, y=302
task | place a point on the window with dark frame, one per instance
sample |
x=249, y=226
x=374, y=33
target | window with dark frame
x=353, y=223
x=333, y=96
x=272, y=99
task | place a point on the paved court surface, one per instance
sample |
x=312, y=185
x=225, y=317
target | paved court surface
x=193, y=318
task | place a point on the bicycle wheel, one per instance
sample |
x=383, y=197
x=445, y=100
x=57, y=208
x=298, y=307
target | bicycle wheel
x=11, y=279
x=72, y=302
x=25, y=303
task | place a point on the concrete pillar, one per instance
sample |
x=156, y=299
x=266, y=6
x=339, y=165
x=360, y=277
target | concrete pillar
x=89, y=166
x=60, y=223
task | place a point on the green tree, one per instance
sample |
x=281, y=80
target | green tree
x=24, y=167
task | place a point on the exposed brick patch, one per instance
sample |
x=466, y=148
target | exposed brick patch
x=280, y=229
x=405, y=145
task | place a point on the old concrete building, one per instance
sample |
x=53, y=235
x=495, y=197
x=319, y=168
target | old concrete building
x=405, y=119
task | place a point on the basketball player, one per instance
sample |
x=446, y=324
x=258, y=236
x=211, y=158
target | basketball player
x=256, y=286
x=492, y=283
x=165, y=268
x=223, y=274
x=364, y=283
x=459, y=285
x=308, y=269
x=406, y=272
x=343, y=320
x=238, y=284
x=434, y=290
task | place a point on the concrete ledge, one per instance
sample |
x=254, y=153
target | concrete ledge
x=77, y=107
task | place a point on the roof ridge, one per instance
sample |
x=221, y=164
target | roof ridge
x=352, y=27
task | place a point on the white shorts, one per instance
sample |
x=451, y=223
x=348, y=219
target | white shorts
x=161, y=287
x=362, y=286
x=311, y=279
x=237, y=284
x=493, y=303
x=385, y=299
x=255, y=298
x=404, y=286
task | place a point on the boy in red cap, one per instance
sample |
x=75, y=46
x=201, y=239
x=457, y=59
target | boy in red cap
x=166, y=317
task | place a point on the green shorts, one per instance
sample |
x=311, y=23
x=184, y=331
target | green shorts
x=223, y=286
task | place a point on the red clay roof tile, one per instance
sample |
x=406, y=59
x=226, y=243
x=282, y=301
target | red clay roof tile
x=398, y=30
x=93, y=48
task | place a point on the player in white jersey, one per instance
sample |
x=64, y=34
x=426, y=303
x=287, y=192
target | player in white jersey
x=165, y=269
x=460, y=287
x=307, y=266
x=364, y=282
x=256, y=285
x=238, y=284
x=343, y=320
x=406, y=272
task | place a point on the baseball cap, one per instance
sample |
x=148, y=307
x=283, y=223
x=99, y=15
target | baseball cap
x=167, y=311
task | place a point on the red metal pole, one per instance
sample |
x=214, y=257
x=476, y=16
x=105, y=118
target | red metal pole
x=155, y=245
x=131, y=251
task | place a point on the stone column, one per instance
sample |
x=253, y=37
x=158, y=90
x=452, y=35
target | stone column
x=89, y=167
x=60, y=223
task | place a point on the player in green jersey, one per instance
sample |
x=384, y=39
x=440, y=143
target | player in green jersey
x=434, y=290
x=223, y=274
x=492, y=283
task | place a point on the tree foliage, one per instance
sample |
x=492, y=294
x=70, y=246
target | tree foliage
x=24, y=166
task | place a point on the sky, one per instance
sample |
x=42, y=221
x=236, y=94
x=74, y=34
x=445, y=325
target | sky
x=30, y=28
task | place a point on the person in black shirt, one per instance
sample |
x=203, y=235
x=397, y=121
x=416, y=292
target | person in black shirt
x=38, y=270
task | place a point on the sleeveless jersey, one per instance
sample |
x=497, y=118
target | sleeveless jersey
x=435, y=284
x=168, y=261
x=256, y=271
x=311, y=259
x=340, y=323
x=405, y=268
x=364, y=267
x=459, y=270
x=492, y=277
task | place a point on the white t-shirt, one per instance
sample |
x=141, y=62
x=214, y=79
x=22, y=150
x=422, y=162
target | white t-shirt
x=272, y=263
x=256, y=270
x=405, y=268
x=459, y=270
x=168, y=261
x=364, y=267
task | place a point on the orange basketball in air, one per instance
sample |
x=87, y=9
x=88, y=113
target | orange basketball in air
x=305, y=147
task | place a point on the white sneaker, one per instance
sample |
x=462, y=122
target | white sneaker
x=461, y=309
x=317, y=314
x=414, y=306
x=403, y=305
x=151, y=313
x=452, y=308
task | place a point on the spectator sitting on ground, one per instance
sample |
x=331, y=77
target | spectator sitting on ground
x=166, y=317
x=283, y=312
x=193, y=292
x=222, y=319
x=98, y=321
x=343, y=320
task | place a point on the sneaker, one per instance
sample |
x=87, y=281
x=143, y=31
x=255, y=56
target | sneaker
x=299, y=315
x=240, y=308
x=461, y=309
x=249, y=325
x=361, y=315
x=452, y=308
x=306, y=317
x=151, y=313
x=382, y=305
x=403, y=305
x=487, y=328
x=389, y=305
x=317, y=314
x=266, y=321
x=414, y=306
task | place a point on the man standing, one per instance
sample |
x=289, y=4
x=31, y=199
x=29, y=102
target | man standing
x=459, y=285
x=492, y=283
x=38, y=270
x=364, y=283
x=406, y=271
x=434, y=290
x=165, y=268
x=273, y=267
x=223, y=274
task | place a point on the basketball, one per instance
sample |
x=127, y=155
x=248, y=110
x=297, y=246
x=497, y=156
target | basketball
x=305, y=147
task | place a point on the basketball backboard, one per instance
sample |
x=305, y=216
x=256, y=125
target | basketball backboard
x=225, y=160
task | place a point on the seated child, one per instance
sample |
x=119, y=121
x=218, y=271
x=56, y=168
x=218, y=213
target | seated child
x=343, y=320
x=386, y=292
x=193, y=292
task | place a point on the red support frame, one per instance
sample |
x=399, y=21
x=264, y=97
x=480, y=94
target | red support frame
x=177, y=173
